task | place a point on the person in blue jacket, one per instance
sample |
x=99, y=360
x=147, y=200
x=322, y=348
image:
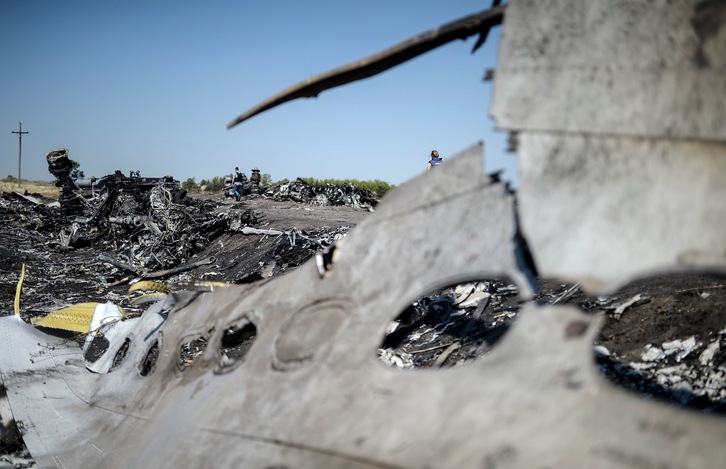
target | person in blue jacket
x=434, y=161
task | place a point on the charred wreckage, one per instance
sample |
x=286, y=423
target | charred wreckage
x=617, y=107
x=249, y=186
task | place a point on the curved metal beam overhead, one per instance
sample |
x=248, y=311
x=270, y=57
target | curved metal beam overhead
x=477, y=23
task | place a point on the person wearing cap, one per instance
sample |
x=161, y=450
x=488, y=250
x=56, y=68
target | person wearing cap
x=434, y=161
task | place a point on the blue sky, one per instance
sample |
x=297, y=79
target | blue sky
x=151, y=85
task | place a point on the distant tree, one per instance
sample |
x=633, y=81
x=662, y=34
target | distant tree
x=76, y=172
x=380, y=188
x=190, y=184
x=216, y=184
x=266, y=180
x=282, y=181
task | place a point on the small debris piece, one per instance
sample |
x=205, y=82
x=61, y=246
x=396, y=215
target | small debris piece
x=76, y=318
x=681, y=348
x=401, y=360
x=706, y=357
x=470, y=295
x=441, y=359
x=569, y=293
x=700, y=289
x=637, y=300
x=83, y=317
x=18, y=289
x=603, y=301
x=652, y=353
x=149, y=285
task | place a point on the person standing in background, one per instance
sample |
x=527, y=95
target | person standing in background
x=238, y=181
x=434, y=161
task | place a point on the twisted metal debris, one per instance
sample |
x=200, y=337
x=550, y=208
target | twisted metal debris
x=330, y=194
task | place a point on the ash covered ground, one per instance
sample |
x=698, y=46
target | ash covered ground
x=664, y=336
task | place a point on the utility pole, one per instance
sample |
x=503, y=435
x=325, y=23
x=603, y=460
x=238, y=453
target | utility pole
x=20, y=147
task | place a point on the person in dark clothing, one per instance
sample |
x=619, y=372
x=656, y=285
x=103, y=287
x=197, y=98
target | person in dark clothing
x=434, y=161
x=238, y=182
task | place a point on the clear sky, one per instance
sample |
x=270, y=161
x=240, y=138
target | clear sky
x=151, y=85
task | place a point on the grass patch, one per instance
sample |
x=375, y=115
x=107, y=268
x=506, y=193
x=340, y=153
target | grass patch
x=44, y=188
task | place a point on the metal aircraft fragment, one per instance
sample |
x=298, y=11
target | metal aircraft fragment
x=82, y=317
x=622, y=158
x=478, y=23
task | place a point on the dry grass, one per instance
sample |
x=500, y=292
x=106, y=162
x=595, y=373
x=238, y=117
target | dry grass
x=47, y=189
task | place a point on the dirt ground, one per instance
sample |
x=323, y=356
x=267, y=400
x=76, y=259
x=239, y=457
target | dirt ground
x=680, y=306
x=672, y=307
x=675, y=308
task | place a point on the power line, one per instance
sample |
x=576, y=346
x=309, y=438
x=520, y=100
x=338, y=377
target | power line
x=20, y=146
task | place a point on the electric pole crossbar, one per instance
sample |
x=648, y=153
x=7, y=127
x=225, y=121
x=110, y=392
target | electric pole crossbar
x=20, y=146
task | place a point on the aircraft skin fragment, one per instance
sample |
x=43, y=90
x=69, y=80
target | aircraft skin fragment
x=605, y=211
x=618, y=107
x=636, y=68
x=49, y=391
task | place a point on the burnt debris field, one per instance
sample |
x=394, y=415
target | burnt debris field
x=663, y=336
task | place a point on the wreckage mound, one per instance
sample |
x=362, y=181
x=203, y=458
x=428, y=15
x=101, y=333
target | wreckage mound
x=71, y=260
x=330, y=194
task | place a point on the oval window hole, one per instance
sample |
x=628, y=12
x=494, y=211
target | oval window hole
x=236, y=342
x=95, y=350
x=191, y=350
x=149, y=363
x=120, y=356
x=451, y=326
